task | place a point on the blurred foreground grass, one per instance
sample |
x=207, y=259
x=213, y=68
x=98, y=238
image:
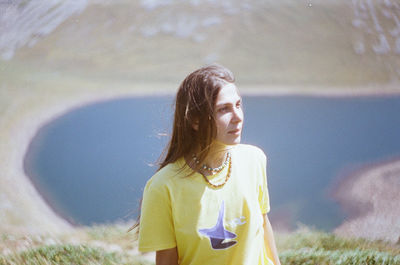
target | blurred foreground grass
x=113, y=245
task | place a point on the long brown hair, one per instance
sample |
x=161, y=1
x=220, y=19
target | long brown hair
x=194, y=105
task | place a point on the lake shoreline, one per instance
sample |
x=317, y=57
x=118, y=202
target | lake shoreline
x=44, y=108
x=369, y=196
x=316, y=91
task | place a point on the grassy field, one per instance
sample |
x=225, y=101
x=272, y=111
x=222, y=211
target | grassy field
x=113, y=245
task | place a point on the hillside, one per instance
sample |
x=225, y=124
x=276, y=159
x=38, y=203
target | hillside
x=297, y=43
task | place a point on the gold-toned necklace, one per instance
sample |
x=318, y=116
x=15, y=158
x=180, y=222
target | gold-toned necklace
x=228, y=175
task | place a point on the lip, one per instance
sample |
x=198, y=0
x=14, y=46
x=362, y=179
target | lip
x=237, y=131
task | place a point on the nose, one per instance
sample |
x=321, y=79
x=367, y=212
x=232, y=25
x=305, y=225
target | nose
x=237, y=115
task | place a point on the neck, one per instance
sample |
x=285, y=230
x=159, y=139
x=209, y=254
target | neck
x=217, y=154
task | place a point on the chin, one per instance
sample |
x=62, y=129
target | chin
x=229, y=140
x=234, y=142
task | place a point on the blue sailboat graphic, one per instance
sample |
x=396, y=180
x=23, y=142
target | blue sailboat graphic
x=218, y=235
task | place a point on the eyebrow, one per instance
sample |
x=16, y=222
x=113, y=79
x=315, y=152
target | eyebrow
x=228, y=103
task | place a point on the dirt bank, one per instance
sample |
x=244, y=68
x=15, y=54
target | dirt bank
x=371, y=198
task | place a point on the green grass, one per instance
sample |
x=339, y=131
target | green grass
x=62, y=254
x=301, y=247
x=85, y=246
x=319, y=248
x=312, y=239
x=337, y=257
x=69, y=254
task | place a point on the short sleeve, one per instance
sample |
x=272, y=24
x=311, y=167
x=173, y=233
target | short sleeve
x=263, y=196
x=156, y=229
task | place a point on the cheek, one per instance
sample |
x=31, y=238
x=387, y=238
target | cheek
x=222, y=123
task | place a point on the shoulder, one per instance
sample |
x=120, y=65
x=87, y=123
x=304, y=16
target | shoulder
x=250, y=151
x=163, y=177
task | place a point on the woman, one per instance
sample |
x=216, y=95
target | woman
x=208, y=202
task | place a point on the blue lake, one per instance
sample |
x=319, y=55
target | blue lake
x=91, y=164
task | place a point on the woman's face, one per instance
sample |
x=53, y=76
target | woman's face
x=229, y=115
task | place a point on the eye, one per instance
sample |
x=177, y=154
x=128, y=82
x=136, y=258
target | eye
x=223, y=109
x=239, y=104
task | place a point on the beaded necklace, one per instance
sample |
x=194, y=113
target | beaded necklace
x=216, y=170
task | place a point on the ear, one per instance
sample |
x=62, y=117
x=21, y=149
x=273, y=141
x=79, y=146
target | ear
x=195, y=125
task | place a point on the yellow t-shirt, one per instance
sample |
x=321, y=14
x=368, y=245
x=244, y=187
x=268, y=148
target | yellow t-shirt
x=208, y=225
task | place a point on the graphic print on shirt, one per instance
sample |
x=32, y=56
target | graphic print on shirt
x=220, y=238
